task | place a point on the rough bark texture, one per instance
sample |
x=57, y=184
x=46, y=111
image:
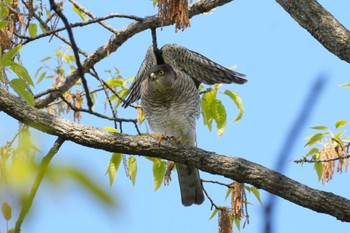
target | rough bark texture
x=320, y=24
x=234, y=168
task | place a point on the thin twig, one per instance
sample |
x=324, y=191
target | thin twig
x=42, y=170
x=217, y=182
x=80, y=24
x=74, y=46
x=304, y=160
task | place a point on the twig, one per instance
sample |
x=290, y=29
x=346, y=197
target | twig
x=42, y=170
x=217, y=182
x=75, y=50
x=74, y=25
x=304, y=160
x=96, y=113
x=213, y=205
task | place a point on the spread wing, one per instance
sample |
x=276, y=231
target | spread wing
x=134, y=92
x=198, y=66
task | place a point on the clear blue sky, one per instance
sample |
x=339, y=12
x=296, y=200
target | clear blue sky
x=281, y=61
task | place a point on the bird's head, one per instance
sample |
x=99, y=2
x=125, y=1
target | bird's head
x=161, y=76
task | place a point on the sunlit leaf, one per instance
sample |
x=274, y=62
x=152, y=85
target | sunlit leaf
x=159, y=168
x=115, y=82
x=312, y=152
x=314, y=138
x=121, y=94
x=337, y=138
x=320, y=127
x=20, y=87
x=154, y=2
x=110, y=129
x=132, y=168
x=340, y=123
x=6, y=211
x=113, y=166
x=33, y=30
x=21, y=71
x=80, y=13
x=238, y=101
x=319, y=170
x=219, y=114
x=207, y=100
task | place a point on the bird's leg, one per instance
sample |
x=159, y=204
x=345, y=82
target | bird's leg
x=167, y=175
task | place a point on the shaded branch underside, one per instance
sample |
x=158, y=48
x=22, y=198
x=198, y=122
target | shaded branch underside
x=234, y=168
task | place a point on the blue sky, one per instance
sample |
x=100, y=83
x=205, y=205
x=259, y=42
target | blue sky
x=281, y=60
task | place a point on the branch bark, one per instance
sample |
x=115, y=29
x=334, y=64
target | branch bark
x=320, y=24
x=234, y=168
x=117, y=40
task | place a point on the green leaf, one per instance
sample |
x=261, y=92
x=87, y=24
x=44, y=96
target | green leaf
x=132, y=168
x=338, y=139
x=229, y=191
x=121, y=94
x=312, y=152
x=6, y=211
x=80, y=13
x=219, y=114
x=113, y=167
x=45, y=59
x=238, y=101
x=113, y=82
x=256, y=193
x=159, y=168
x=33, y=30
x=314, y=138
x=42, y=76
x=110, y=129
x=81, y=178
x=4, y=23
x=320, y=127
x=207, y=100
x=21, y=72
x=345, y=85
x=20, y=87
x=238, y=223
x=340, y=123
x=319, y=169
x=7, y=57
x=214, y=213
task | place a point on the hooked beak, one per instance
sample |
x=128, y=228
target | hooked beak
x=153, y=76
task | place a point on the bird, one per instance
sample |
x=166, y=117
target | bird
x=167, y=84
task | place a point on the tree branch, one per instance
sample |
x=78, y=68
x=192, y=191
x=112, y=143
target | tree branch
x=238, y=169
x=321, y=24
x=42, y=170
x=117, y=40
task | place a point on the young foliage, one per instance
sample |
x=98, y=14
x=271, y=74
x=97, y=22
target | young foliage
x=113, y=167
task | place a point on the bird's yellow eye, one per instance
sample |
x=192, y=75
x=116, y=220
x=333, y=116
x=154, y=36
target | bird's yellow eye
x=161, y=72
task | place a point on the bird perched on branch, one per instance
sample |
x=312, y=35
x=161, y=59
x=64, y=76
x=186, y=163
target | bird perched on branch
x=167, y=83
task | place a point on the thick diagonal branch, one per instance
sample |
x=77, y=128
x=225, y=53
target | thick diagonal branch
x=234, y=168
x=320, y=24
x=117, y=40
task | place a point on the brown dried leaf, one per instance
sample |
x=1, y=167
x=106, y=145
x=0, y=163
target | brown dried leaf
x=238, y=199
x=174, y=11
x=225, y=223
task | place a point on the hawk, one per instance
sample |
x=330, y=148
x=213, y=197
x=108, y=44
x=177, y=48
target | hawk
x=167, y=84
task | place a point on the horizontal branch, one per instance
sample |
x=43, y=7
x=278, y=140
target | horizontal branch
x=320, y=24
x=117, y=40
x=234, y=168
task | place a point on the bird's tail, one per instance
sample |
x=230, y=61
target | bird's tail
x=190, y=185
